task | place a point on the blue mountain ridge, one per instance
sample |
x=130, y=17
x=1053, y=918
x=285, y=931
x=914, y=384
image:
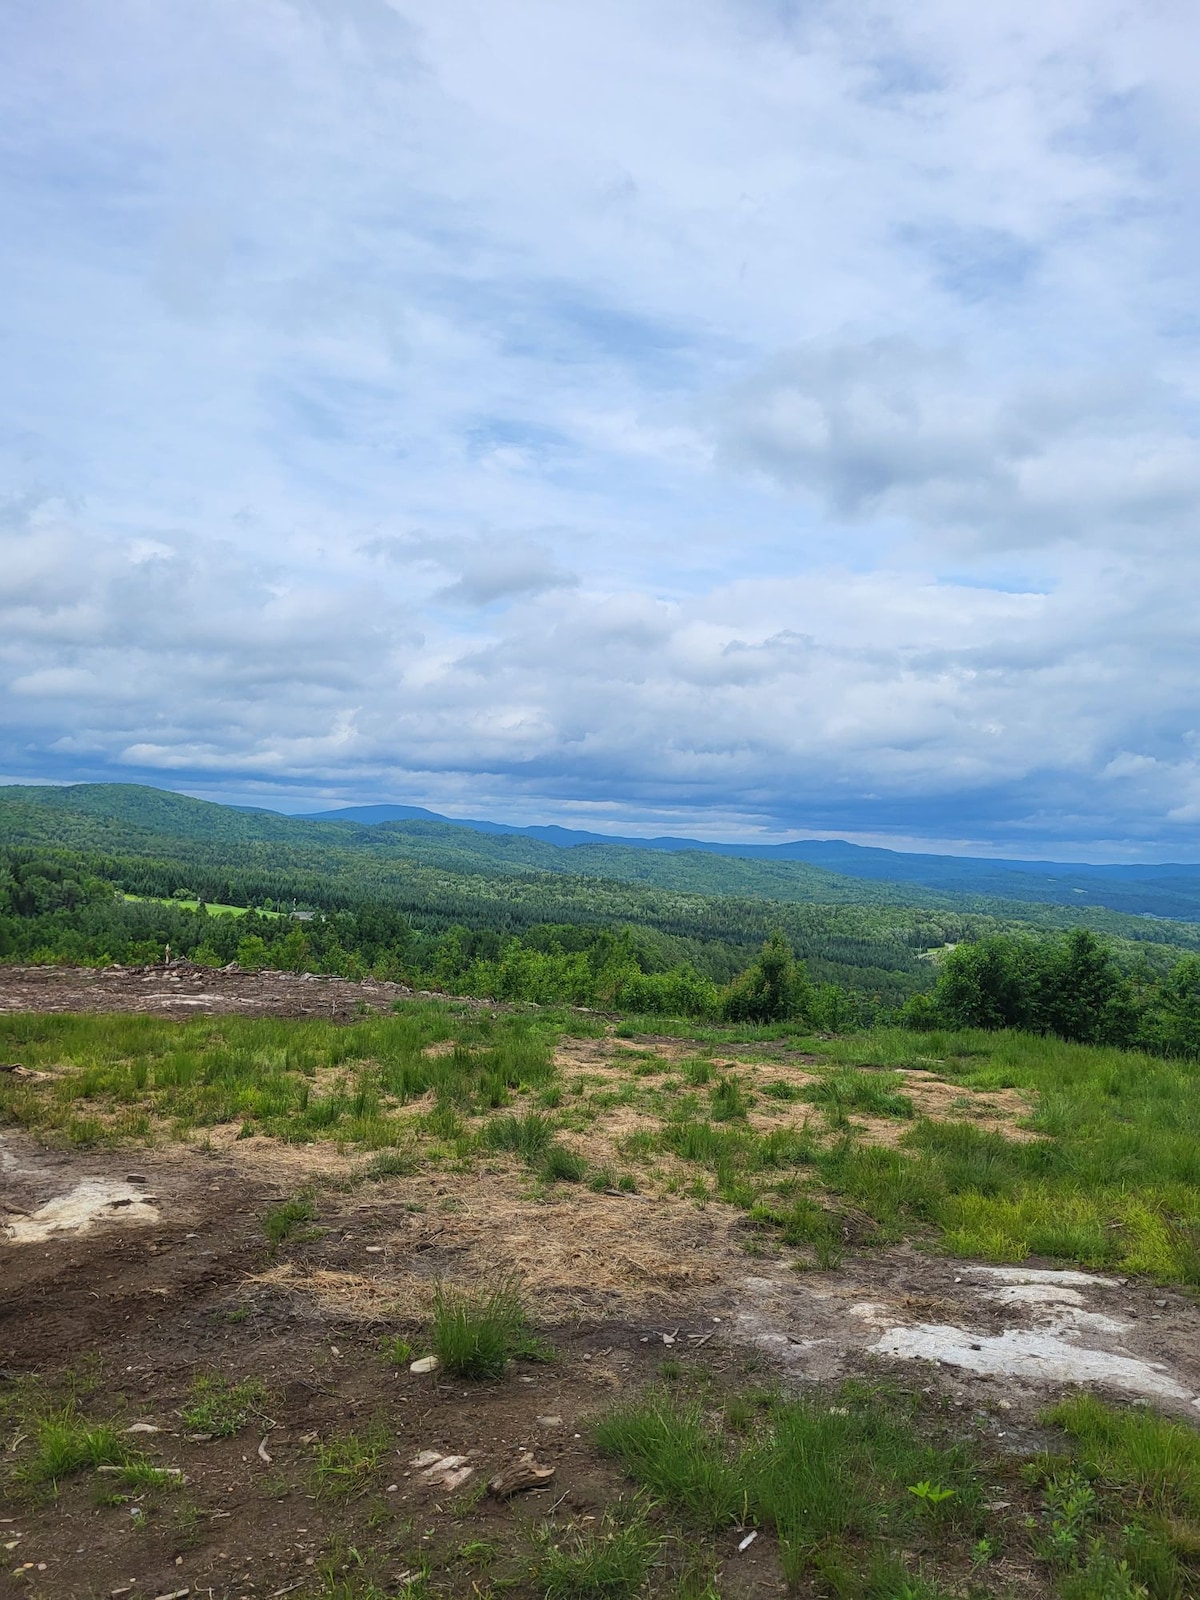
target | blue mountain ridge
x=836, y=855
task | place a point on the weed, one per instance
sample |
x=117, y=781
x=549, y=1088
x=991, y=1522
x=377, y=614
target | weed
x=476, y=1332
x=397, y=1350
x=222, y=1408
x=931, y=1494
x=343, y=1466
x=283, y=1220
x=608, y=1562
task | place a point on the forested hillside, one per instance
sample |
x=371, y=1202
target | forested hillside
x=446, y=906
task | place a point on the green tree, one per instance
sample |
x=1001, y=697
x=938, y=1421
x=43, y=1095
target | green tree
x=775, y=988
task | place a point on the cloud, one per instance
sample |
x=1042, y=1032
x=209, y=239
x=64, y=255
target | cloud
x=777, y=414
x=487, y=569
x=893, y=430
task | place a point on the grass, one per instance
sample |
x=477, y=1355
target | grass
x=477, y=1331
x=344, y=1465
x=65, y=1443
x=144, y=1071
x=850, y=1089
x=1107, y=1173
x=528, y=1136
x=215, y=908
x=832, y=1482
x=283, y=1220
x=608, y=1562
x=563, y=1165
x=222, y=1409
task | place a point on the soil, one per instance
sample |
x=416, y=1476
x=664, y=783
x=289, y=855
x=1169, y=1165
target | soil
x=184, y=990
x=154, y=1269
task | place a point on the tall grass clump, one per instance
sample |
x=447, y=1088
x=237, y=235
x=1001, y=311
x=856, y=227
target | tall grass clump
x=528, y=1136
x=477, y=1331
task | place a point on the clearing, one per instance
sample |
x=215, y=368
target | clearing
x=892, y=1317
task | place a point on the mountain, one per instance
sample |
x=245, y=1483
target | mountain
x=378, y=842
x=1139, y=889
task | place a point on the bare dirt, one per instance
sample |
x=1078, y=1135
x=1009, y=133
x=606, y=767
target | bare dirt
x=148, y=1268
x=184, y=990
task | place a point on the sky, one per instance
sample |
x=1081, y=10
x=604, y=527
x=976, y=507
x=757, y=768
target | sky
x=740, y=418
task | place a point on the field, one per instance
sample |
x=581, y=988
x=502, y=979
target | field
x=727, y=1312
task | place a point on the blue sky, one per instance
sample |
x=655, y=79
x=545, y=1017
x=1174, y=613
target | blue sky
x=732, y=417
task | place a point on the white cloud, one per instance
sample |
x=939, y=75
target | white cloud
x=732, y=409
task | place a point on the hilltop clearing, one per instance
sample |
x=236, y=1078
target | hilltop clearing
x=672, y=1267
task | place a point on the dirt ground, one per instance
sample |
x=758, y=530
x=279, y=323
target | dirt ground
x=141, y=1270
x=184, y=990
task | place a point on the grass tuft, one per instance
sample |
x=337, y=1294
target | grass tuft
x=222, y=1408
x=608, y=1562
x=476, y=1332
x=283, y=1220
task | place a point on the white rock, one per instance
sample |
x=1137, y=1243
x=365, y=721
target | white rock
x=425, y=1364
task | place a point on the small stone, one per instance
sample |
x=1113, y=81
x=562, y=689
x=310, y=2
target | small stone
x=425, y=1364
x=142, y=1427
x=549, y=1422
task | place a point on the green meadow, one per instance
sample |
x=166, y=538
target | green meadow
x=1103, y=1171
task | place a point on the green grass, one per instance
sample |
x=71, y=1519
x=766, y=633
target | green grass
x=262, y=1071
x=850, y=1089
x=1110, y=1177
x=283, y=1220
x=477, y=1331
x=215, y=908
x=344, y=1465
x=563, y=1165
x=608, y=1562
x=527, y=1136
x=220, y=1408
x=66, y=1443
x=831, y=1481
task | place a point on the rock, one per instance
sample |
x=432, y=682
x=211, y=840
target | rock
x=524, y=1473
x=446, y=1472
x=549, y=1422
x=142, y=1427
x=425, y=1364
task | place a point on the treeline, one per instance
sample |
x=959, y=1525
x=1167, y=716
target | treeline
x=60, y=908
x=1073, y=987
x=54, y=911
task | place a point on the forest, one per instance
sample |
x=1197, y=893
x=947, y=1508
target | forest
x=59, y=907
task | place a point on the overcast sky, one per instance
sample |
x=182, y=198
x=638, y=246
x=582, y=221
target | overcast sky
x=732, y=417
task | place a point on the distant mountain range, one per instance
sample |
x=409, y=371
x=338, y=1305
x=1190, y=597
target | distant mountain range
x=1059, y=882
x=382, y=843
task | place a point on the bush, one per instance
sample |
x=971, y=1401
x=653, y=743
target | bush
x=775, y=988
